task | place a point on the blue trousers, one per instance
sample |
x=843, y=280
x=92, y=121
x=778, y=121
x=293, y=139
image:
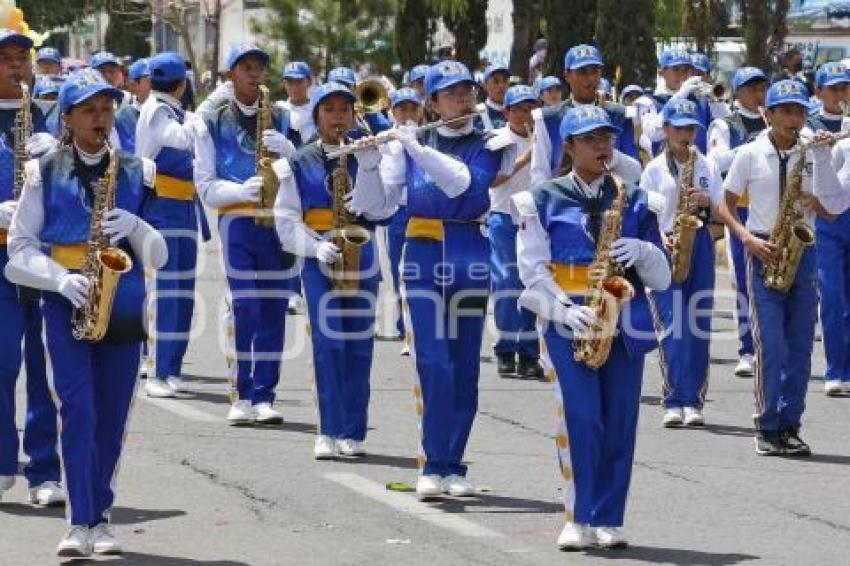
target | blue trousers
x=600, y=409
x=258, y=273
x=175, y=282
x=739, y=265
x=22, y=325
x=686, y=308
x=342, y=329
x=445, y=289
x=783, y=334
x=95, y=384
x=833, y=252
x=516, y=326
x=395, y=244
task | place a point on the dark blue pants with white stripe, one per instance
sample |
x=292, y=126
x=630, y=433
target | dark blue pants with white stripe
x=833, y=251
x=739, y=266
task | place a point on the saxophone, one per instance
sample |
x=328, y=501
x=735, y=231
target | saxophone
x=608, y=289
x=791, y=235
x=104, y=264
x=347, y=236
x=263, y=159
x=23, y=130
x=686, y=225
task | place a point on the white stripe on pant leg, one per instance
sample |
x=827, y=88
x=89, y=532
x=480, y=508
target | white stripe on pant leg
x=51, y=386
x=658, y=325
x=755, y=327
x=228, y=326
x=418, y=398
x=151, y=312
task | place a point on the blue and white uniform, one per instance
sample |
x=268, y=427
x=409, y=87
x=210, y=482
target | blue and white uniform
x=494, y=116
x=128, y=116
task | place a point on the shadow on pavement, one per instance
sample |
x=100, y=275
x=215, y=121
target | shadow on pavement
x=403, y=462
x=120, y=515
x=487, y=503
x=141, y=559
x=678, y=556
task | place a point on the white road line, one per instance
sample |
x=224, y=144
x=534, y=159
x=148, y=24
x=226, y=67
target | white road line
x=410, y=505
x=180, y=409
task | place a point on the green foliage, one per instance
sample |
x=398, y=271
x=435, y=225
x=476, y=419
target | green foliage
x=129, y=30
x=567, y=27
x=42, y=15
x=628, y=44
x=669, y=19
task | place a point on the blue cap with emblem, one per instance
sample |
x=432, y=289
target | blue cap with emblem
x=496, y=68
x=787, y=91
x=322, y=92
x=50, y=54
x=746, y=75
x=605, y=86
x=297, y=70
x=830, y=74
x=445, y=74
x=417, y=73
x=102, y=58
x=583, y=55
x=138, y=70
x=82, y=85
x=238, y=52
x=44, y=86
x=585, y=119
x=548, y=82
x=167, y=67
x=680, y=112
x=9, y=37
x=629, y=90
x=520, y=93
x=342, y=75
x=675, y=58
x=406, y=94
x=701, y=62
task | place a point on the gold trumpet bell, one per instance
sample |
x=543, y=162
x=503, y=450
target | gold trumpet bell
x=371, y=96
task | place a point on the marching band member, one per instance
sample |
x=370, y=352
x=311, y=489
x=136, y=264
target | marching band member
x=373, y=122
x=416, y=81
x=629, y=94
x=342, y=320
x=783, y=322
x=48, y=61
x=687, y=304
x=551, y=91
x=445, y=274
x=20, y=311
x=258, y=272
x=139, y=86
x=46, y=91
x=562, y=223
x=517, y=351
x=833, y=239
x=297, y=79
x=725, y=136
x=109, y=67
x=164, y=135
x=93, y=381
x=497, y=79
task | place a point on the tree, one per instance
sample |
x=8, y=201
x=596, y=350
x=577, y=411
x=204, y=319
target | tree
x=669, y=19
x=567, y=27
x=765, y=29
x=468, y=23
x=628, y=43
x=415, y=25
x=526, y=16
x=702, y=20
x=42, y=15
x=129, y=28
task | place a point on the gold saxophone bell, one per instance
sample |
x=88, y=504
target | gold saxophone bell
x=371, y=96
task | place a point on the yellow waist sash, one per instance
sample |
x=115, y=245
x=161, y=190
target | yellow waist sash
x=319, y=219
x=69, y=256
x=573, y=279
x=172, y=187
x=240, y=209
x=4, y=236
x=744, y=200
x=428, y=228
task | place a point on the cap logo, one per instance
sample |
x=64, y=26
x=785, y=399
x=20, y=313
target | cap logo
x=87, y=77
x=584, y=51
x=789, y=88
x=449, y=69
x=683, y=107
x=834, y=69
x=589, y=112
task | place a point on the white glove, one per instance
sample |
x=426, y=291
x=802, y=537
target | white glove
x=368, y=158
x=7, y=210
x=222, y=93
x=578, y=318
x=119, y=224
x=628, y=251
x=249, y=191
x=327, y=252
x=689, y=87
x=75, y=288
x=39, y=144
x=822, y=153
x=277, y=143
x=406, y=135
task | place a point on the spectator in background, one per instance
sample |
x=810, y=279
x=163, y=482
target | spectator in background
x=535, y=64
x=187, y=101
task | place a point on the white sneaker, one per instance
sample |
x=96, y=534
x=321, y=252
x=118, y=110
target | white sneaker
x=348, y=447
x=6, y=483
x=103, y=541
x=49, y=494
x=177, y=384
x=746, y=366
x=458, y=486
x=241, y=413
x=429, y=486
x=405, y=349
x=833, y=387
x=575, y=536
x=267, y=415
x=158, y=388
x=76, y=543
x=325, y=448
x=673, y=417
x=610, y=537
x=693, y=417
x=295, y=305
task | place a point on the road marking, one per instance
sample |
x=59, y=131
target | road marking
x=412, y=506
x=180, y=409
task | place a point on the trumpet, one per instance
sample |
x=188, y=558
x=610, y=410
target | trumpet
x=713, y=92
x=371, y=96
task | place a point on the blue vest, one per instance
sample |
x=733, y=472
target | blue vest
x=703, y=115
x=52, y=116
x=171, y=161
x=818, y=122
x=497, y=118
x=377, y=123
x=125, y=125
x=425, y=199
x=7, y=146
x=742, y=129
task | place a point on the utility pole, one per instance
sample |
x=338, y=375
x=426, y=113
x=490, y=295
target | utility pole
x=216, y=24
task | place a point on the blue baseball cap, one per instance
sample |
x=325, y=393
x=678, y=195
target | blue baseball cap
x=496, y=68
x=674, y=58
x=584, y=119
x=82, y=85
x=605, y=86
x=787, y=91
x=746, y=75
x=405, y=94
x=237, y=52
x=679, y=112
x=417, y=73
x=297, y=70
x=48, y=54
x=321, y=92
x=830, y=74
x=167, y=67
x=138, y=70
x=520, y=93
x=630, y=89
x=9, y=37
x=701, y=62
x=102, y=58
x=583, y=55
x=343, y=75
x=548, y=82
x=445, y=74
x=44, y=86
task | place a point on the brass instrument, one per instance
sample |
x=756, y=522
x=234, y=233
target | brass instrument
x=263, y=159
x=608, y=289
x=347, y=235
x=22, y=131
x=686, y=224
x=104, y=264
x=371, y=96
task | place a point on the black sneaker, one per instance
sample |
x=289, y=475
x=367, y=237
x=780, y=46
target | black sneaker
x=769, y=444
x=794, y=445
x=507, y=363
x=529, y=368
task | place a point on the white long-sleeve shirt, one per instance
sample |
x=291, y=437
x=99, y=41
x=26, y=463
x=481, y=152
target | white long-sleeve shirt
x=513, y=146
x=719, y=144
x=157, y=129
